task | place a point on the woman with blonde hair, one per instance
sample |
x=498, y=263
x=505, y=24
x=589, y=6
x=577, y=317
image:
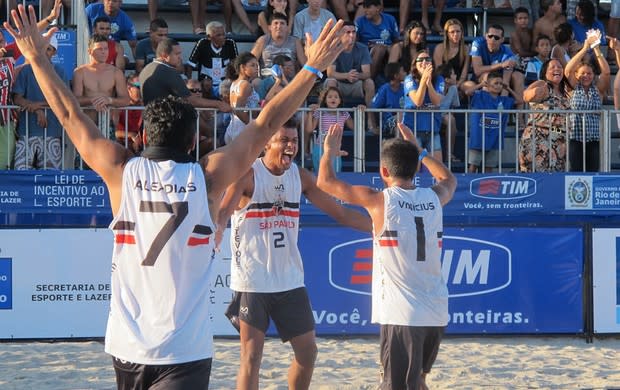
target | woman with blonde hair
x=453, y=50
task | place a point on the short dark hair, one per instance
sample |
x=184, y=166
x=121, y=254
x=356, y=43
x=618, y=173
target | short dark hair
x=349, y=23
x=563, y=32
x=170, y=122
x=368, y=3
x=281, y=59
x=278, y=15
x=496, y=27
x=400, y=157
x=495, y=74
x=546, y=4
x=101, y=19
x=157, y=23
x=96, y=39
x=391, y=70
x=522, y=10
x=291, y=123
x=165, y=46
x=540, y=38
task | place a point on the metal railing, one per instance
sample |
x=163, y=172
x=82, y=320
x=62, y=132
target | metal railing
x=210, y=126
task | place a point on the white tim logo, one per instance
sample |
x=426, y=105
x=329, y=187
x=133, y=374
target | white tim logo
x=471, y=268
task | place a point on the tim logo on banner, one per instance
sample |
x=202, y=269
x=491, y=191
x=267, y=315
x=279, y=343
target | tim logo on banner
x=470, y=266
x=502, y=187
x=6, y=284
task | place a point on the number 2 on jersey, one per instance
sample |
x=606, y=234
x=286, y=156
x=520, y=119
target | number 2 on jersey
x=278, y=240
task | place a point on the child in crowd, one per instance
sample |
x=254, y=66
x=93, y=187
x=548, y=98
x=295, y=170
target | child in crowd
x=330, y=98
x=379, y=31
x=543, y=48
x=521, y=39
x=486, y=129
x=449, y=100
x=390, y=95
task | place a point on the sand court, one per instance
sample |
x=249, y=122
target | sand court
x=561, y=362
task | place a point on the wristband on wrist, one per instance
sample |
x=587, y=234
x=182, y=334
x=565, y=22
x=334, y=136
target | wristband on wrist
x=49, y=21
x=423, y=154
x=313, y=70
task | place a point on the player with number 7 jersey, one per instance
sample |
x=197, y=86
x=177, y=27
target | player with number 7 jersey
x=164, y=219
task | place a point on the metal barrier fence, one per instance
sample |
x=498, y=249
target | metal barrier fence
x=211, y=125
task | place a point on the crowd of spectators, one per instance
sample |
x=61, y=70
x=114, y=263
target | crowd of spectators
x=553, y=61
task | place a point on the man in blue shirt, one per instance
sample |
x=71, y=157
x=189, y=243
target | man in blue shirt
x=390, y=95
x=39, y=144
x=489, y=54
x=379, y=31
x=122, y=25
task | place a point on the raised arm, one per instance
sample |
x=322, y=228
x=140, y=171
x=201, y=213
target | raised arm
x=343, y=215
x=445, y=181
x=327, y=181
x=105, y=157
x=228, y=163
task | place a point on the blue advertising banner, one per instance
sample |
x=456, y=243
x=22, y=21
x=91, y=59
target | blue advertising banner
x=58, y=192
x=66, y=56
x=501, y=280
x=510, y=195
x=6, y=283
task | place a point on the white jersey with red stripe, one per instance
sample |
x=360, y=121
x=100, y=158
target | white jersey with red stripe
x=263, y=238
x=408, y=288
x=161, y=264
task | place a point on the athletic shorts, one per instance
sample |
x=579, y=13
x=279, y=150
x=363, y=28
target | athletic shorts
x=290, y=311
x=38, y=152
x=7, y=145
x=407, y=352
x=191, y=375
x=491, y=157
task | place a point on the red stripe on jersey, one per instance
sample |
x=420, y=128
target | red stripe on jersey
x=440, y=242
x=272, y=213
x=388, y=242
x=125, y=239
x=195, y=241
x=362, y=266
x=361, y=279
x=363, y=254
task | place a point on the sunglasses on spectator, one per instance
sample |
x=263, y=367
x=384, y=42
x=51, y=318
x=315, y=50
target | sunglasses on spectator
x=137, y=85
x=424, y=59
x=493, y=36
x=195, y=90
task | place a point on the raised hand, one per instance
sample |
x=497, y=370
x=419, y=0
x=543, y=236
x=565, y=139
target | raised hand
x=27, y=36
x=326, y=48
x=333, y=142
x=406, y=133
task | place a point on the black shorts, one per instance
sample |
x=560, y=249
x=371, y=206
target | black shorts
x=190, y=375
x=406, y=352
x=290, y=311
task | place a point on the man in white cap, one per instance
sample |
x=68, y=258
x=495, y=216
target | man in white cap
x=39, y=142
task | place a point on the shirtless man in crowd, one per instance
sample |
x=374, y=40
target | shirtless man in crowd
x=98, y=84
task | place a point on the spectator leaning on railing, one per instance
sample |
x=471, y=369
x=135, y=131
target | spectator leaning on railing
x=39, y=143
x=116, y=53
x=99, y=84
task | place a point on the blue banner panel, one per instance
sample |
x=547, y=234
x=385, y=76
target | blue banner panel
x=53, y=192
x=501, y=280
x=523, y=195
x=6, y=283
